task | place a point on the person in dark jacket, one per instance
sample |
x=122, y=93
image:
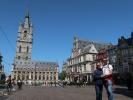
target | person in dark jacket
x=98, y=81
x=9, y=84
x=19, y=83
x=129, y=81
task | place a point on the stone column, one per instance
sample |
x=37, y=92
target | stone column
x=21, y=75
x=16, y=76
x=87, y=77
x=33, y=75
x=30, y=75
x=49, y=76
x=56, y=76
x=25, y=76
x=52, y=77
x=45, y=76
x=12, y=75
x=37, y=75
x=41, y=75
x=90, y=77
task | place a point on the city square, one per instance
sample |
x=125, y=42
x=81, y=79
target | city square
x=66, y=50
x=66, y=93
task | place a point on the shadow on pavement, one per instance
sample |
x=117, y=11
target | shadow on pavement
x=123, y=91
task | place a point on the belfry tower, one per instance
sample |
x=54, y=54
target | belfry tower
x=24, y=41
x=24, y=68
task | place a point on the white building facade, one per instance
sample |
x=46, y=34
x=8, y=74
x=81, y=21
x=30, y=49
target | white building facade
x=79, y=65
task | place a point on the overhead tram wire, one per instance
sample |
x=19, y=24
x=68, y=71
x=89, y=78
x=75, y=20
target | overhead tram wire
x=9, y=42
x=6, y=62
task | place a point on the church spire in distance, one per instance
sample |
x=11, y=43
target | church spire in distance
x=27, y=20
x=27, y=14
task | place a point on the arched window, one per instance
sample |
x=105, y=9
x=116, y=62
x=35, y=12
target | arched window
x=39, y=77
x=27, y=77
x=19, y=48
x=27, y=49
x=54, y=77
x=35, y=77
x=23, y=78
x=47, y=78
x=14, y=77
x=18, y=57
x=43, y=77
x=26, y=58
x=31, y=77
x=50, y=77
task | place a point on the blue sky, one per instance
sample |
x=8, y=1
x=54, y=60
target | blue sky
x=56, y=22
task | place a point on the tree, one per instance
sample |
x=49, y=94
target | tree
x=62, y=75
x=2, y=75
x=3, y=78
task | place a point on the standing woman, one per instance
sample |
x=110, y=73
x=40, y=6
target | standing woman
x=98, y=81
x=107, y=78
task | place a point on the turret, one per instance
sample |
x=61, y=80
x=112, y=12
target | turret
x=75, y=43
x=27, y=20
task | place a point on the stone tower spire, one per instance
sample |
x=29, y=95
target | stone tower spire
x=24, y=41
x=27, y=20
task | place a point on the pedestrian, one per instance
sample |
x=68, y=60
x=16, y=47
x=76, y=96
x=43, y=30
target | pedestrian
x=129, y=81
x=19, y=83
x=107, y=78
x=13, y=85
x=55, y=83
x=51, y=83
x=98, y=81
x=78, y=82
x=9, y=84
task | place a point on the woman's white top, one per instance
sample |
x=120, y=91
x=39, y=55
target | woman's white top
x=107, y=69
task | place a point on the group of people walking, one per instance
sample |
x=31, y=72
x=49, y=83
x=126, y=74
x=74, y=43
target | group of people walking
x=10, y=84
x=103, y=77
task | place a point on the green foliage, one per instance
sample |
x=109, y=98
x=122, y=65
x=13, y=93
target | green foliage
x=3, y=76
x=62, y=75
x=2, y=81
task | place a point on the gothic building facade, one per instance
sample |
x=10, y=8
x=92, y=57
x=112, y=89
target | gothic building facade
x=81, y=64
x=124, y=59
x=24, y=68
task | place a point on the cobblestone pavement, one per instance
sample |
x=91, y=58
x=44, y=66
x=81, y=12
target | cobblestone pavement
x=67, y=93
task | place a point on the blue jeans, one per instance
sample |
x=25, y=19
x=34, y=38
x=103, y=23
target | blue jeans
x=108, y=86
x=99, y=90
